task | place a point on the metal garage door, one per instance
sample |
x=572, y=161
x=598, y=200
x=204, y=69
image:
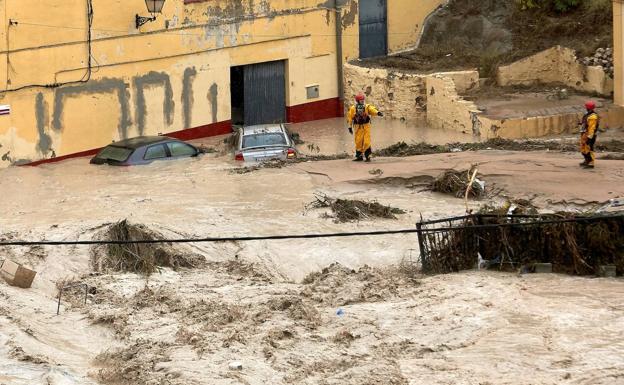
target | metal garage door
x=373, y=28
x=265, y=93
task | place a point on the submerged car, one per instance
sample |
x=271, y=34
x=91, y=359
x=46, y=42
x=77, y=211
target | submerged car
x=144, y=150
x=263, y=143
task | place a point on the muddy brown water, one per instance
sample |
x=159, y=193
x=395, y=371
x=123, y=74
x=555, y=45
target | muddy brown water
x=447, y=329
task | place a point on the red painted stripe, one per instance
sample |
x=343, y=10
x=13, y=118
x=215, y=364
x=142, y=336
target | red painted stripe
x=322, y=109
x=64, y=157
x=188, y=134
x=214, y=129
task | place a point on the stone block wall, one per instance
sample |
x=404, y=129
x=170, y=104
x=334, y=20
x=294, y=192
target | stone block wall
x=446, y=109
x=400, y=95
x=556, y=65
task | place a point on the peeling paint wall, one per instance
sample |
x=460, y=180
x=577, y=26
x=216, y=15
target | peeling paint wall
x=400, y=95
x=170, y=75
x=556, y=65
x=447, y=110
x=618, y=52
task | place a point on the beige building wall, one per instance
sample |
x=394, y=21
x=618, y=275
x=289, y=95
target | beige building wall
x=618, y=52
x=171, y=75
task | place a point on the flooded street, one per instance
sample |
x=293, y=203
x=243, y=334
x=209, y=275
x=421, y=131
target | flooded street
x=331, y=136
x=273, y=304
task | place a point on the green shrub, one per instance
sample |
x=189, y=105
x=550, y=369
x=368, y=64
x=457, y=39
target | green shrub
x=560, y=6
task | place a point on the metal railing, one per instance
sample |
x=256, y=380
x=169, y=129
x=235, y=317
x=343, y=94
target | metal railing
x=577, y=245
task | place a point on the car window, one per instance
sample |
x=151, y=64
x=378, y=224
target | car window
x=155, y=152
x=118, y=154
x=264, y=139
x=181, y=149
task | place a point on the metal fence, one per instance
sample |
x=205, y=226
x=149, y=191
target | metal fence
x=574, y=245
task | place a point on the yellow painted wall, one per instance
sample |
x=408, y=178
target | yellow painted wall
x=618, y=53
x=140, y=75
x=406, y=20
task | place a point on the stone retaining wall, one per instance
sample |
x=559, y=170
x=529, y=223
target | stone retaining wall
x=400, y=95
x=556, y=65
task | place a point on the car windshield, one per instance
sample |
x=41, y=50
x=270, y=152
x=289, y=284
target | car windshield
x=264, y=139
x=118, y=154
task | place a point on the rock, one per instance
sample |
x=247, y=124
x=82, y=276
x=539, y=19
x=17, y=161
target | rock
x=235, y=365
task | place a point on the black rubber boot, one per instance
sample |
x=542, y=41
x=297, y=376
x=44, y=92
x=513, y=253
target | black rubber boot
x=367, y=154
x=358, y=157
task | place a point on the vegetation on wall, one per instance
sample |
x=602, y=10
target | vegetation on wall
x=553, y=5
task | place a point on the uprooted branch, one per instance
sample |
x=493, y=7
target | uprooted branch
x=349, y=210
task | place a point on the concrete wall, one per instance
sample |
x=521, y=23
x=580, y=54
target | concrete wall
x=447, y=110
x=534, y=127
x=437, y=98
x=556, y=65
x=618, y=53
x=172, y=75
x=400, y=95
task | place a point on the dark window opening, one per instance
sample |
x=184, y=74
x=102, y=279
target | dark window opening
x=237, y=89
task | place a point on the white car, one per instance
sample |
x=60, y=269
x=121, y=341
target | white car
x=264, y=142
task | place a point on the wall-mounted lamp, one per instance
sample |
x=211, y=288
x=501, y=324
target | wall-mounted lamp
x=153, y=7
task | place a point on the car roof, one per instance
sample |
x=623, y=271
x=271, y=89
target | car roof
x=262, y=128
x=139, y=141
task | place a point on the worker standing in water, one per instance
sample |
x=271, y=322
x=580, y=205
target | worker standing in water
x=359, y=119
x=589, y=130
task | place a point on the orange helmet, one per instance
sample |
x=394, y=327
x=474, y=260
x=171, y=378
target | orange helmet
x=360, y=97
x=590, y=105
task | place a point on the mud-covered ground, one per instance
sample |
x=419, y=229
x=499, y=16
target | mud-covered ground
x=324, y=311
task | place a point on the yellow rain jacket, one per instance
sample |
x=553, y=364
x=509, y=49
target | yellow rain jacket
x=588, y=136
x=361, y=123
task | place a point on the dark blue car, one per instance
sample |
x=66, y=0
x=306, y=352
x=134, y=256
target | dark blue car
x=144, y=150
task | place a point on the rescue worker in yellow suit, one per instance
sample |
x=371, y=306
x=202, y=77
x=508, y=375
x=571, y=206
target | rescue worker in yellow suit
x=359, y=119
x=589, y=130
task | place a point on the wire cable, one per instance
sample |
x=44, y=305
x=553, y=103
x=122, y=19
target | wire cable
x=85, y=77
x=311, y=236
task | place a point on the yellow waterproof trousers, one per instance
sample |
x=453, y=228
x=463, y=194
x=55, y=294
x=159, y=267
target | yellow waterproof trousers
x=587, y=149
x=362, y=137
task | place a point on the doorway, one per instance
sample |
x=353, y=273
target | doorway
x=258, y=93
x=373, y=21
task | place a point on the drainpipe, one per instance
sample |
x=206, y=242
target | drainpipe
x=339, y=56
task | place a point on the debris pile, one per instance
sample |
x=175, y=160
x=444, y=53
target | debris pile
x=144, y=258
x=602, y=58
x=337, y=285
x=350, y=210
x=283, y=163
x=402, y=149
x=457, y=183
x=511, y=207
x=571, y=243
